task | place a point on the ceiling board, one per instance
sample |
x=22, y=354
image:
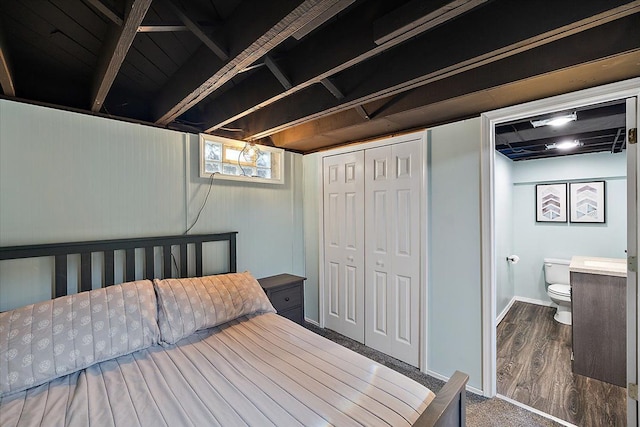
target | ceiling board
x=441, y=53
x=473, y=104
x=316, y=58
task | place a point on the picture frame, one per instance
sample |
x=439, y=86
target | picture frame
x=587, y=202
x=551, y=202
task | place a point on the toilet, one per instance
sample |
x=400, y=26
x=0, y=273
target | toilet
x=556, y=274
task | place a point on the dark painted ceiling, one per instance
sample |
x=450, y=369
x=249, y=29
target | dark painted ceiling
x=307, y=75
x=596, y=128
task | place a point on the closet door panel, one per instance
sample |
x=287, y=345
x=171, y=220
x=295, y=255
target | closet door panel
x=404, y=223
x=379, y=306
x=372, y=288
x=351, y=294
x=333, y=289
x=343, y=180
x=406, y=251
x=379, y=170
x=380, y=215
x=403, y=309
x=392, y=225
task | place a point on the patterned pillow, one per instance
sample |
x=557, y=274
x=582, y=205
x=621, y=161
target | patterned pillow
x=188, y=305
x=53, y=338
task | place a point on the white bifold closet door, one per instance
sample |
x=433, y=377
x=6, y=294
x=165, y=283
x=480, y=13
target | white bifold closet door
x=393, y=176
x=343, y=177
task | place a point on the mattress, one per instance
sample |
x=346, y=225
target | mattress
x=257, y=370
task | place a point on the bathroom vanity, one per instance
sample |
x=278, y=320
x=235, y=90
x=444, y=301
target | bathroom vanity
x=598, y=300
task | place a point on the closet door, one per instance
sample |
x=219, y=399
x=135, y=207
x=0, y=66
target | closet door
x=343, y=177
x=392, y=252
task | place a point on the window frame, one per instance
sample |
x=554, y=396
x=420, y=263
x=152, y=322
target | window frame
x=277, y=161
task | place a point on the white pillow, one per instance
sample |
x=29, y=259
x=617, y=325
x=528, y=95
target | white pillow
x=50, y=339
x=188, y=305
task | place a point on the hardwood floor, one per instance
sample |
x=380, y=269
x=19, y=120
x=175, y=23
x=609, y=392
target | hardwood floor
x=534, y=368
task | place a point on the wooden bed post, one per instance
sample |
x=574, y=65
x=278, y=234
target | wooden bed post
x=448, y=409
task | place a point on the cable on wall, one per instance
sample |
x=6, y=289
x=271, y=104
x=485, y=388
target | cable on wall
x=204, y=203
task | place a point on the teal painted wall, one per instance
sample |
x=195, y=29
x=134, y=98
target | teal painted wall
x=66, y=177
x=454, y=313
x=535, y=241
x=311, y=207
x=503, y=211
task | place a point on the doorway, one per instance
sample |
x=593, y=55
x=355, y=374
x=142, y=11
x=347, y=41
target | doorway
x=540, y=164
x=604, y=94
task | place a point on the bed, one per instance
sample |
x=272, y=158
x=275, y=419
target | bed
x=187, y=349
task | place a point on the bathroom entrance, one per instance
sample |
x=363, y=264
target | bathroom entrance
x=551, y=193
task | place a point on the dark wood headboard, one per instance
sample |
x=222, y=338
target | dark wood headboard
x=61, y=251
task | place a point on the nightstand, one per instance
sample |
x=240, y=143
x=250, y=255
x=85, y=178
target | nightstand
x=286, y=293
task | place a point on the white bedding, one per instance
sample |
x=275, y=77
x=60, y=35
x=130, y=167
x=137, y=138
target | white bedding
x=257, y=370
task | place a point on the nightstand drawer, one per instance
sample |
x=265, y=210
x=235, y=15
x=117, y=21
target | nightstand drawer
x=286, y=293
x=294, y=315
x=285, y=299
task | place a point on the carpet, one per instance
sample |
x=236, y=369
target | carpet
x=481, y=411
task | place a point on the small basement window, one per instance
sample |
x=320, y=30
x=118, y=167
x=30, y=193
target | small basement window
x=240, y=161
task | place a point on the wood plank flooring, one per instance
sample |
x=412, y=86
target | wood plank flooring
x=534, y=368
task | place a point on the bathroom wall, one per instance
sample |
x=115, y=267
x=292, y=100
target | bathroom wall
x=503, y=201
x=535, y=241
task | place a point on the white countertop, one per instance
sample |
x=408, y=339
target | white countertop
x=603, y=266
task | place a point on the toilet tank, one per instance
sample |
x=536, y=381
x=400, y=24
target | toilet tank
x=556, y=271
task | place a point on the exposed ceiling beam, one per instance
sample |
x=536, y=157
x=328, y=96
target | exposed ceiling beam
x=6, y=74
x=554, y=153
x=162, y=28
x=616, y=139
x=361, y=112
x=582, y=125
x=339, y=95
x=340, y=45
x=328, y=84
x=418, y=16
x=322, y=18
x=115, y=50
x=191, y=23
x=106, y=11
x=514, y=80
x=586, y=137
x=277, y=72
x=441, y=53
x=271, y=23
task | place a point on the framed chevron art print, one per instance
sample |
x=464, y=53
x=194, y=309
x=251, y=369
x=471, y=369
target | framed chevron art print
x=587, y=201
x=551, y=202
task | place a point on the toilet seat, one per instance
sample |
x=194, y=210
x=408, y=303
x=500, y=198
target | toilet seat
x=560, y=290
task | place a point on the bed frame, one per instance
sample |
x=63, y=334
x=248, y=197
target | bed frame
x=62, y=251
x=447, y=409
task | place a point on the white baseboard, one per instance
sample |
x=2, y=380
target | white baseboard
x=535, y=411
x=522, y=299
x=505, y=311
x=534, y=301
x=445, y=379
x=313, y=322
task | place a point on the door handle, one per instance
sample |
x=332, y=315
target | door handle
x=380, y=263
x=350, y=258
